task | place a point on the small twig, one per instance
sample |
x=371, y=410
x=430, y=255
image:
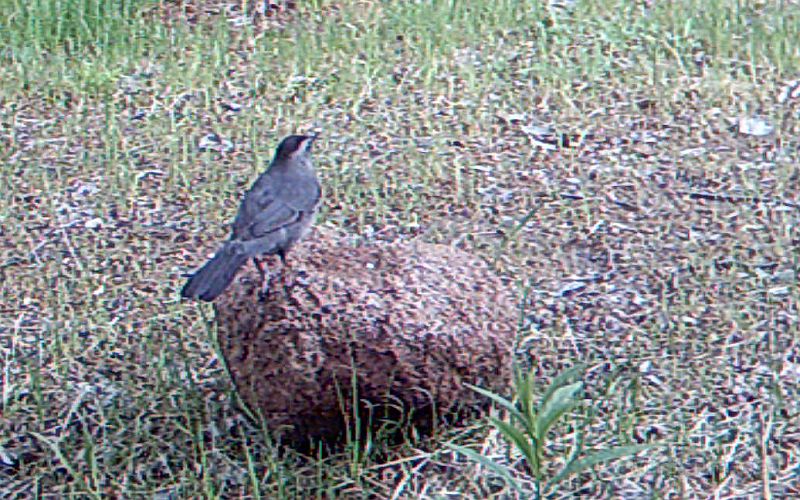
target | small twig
x=407, y=478
x=704, y=195
x=71, y=248
x=766, y=428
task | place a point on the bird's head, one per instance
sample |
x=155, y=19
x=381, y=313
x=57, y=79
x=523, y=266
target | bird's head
x=294, y=146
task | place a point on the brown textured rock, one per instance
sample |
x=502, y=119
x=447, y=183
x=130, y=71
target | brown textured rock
x=405, y=324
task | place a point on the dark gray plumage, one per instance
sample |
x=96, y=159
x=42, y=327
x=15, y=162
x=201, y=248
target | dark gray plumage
x=275, y=213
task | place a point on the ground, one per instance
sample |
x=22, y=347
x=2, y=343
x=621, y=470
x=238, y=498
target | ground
x=630, y=167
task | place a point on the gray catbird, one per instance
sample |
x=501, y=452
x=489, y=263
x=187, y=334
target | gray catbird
x=277, y=211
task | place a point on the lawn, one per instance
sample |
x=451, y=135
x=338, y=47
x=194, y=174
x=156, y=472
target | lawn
x=633, y=168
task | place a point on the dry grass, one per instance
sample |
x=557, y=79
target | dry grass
x=648, y=235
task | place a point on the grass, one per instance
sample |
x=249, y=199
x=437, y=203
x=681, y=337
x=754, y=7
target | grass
x=528, y=428
x=659, y=248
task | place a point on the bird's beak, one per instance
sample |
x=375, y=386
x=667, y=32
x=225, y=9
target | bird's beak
x=310, y=141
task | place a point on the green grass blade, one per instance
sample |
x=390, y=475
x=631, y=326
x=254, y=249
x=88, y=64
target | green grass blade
x=561, y=401
x=568, y=376
x=518, y=438
x=490, y=464
x=599, y=457
x=525, y=396
x=500, y=400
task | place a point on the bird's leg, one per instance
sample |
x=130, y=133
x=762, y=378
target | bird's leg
x=282, y=255
x=263, y=271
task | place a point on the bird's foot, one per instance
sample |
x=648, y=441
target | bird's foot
x=265, y=278
x=263, y=290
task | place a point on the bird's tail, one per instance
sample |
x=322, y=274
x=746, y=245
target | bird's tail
x=214, y=277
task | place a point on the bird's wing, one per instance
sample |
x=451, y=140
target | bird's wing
x=265, y=210
x=271, y=218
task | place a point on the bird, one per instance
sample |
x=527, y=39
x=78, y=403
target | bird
x=277, y=211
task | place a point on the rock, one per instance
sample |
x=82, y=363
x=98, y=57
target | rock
x=406, y=324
